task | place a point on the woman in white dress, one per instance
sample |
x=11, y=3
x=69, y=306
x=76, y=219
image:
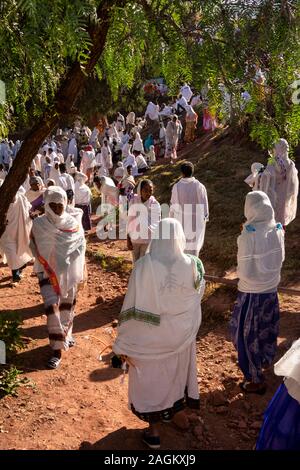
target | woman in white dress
x=159, y=321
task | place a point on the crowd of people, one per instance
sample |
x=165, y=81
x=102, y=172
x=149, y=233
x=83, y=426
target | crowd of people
x=161, y=313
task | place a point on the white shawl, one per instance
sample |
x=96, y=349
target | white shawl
x=59, y=244
x=260, y=246
x=161, y=314
x=289, y=367
x=15, y=240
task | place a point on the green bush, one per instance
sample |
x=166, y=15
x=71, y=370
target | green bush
x=10, y=332
x=10, y=381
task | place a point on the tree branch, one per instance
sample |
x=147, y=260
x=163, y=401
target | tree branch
x=63, y=102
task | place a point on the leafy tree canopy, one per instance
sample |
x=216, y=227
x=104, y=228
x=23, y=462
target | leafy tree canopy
x=211, y=41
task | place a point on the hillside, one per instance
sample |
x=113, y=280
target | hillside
x=221, y=164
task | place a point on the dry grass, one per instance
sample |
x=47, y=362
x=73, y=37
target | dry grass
x=222, y=167
x=109, y=263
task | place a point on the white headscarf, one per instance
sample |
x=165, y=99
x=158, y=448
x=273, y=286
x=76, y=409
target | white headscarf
x=138, y=143
x=59, y=244
x=161, y=313
x=256, y=167
x=289, y=367
x=260, y=246
x=287, y=193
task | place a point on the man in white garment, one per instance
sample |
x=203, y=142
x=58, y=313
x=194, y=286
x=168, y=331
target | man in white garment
x=66, y=181
x=189, y=205
x=53, y=155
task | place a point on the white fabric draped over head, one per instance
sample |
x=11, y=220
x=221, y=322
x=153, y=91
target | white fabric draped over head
x=59, y=240
x=15, y=240
x=82, y=191
x=260, y=246
x=161, y=313
x=255, y=168
x=289, y=367
x=286, y=203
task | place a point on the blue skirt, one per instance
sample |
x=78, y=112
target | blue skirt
x=254, y=329
x=281, y=426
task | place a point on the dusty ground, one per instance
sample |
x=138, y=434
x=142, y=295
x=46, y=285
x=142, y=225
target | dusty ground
x=83, y=404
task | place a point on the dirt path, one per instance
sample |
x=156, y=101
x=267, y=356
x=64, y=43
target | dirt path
x=83, y=405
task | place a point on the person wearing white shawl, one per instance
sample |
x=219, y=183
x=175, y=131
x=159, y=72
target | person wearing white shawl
x=119, y=172
x=158, y=324
x=138, y=144
x=255, y=319
x=143, y=217
x=106, y=158
x=130, y=119
x=281, y=426
x=189, y=205
x=131, y=161
x=172, y=136
x=83, y=196
x=286, y=184
x=68, y=162
x=120, y=123
x=254, y=178
x=105, y=186
x=35, y=194
x=54, y=173
x=152, y=111
x=93, y=137
x=72, y=148
x=186, y=92
x=14, y=243
x=3, y=173
x=191, y=119
x=58, y=244
x=66, y=181
x=150, y=156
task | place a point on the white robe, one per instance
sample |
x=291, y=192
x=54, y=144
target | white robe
x=138, y=144
x=82, y=194
x=14, y=242
x=189, y=205
x=186, y=92
x=159, y=321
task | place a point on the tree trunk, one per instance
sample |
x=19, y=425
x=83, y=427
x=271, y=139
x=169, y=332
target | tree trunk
x=63, y=102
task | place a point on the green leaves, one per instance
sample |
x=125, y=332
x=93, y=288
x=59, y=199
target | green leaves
x=211, y=41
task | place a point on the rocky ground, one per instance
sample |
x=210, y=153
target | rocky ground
x=83, y=404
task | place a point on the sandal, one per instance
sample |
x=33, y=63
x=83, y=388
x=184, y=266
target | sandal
x=250, y=387
x=151, y=441
x=54, y=362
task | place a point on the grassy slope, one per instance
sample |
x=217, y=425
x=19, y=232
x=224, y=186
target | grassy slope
x=222, y=166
